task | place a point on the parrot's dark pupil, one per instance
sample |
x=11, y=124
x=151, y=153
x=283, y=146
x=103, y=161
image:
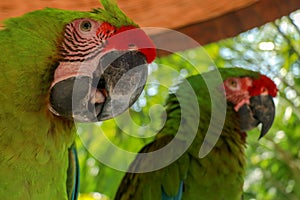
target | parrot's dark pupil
x=86, y=26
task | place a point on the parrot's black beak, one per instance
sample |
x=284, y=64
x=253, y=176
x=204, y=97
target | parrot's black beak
x=123, y=79
x=261, y=110
x=114, y=86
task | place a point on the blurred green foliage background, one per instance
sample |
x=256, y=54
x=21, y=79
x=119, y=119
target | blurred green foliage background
x=273, y=164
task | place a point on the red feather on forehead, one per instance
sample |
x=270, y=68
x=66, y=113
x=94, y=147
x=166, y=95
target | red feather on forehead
x=130, y=37
x=263, y=85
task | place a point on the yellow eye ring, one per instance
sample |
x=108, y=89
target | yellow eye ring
x=85, y=26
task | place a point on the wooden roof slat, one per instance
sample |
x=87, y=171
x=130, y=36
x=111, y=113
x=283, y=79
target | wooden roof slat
x=172, y=14
x=233, y=23
x=205, y=21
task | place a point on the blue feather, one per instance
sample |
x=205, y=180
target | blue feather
x=178, y=196
x=73, y=158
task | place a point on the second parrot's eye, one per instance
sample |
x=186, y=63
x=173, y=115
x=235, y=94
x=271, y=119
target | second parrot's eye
x=233, y=83
x=86, y=26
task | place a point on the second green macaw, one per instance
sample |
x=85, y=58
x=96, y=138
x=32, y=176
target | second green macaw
x=212, y=167
x=57, y=67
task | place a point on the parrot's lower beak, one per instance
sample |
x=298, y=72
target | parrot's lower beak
x=260, y=110
x=114, y=86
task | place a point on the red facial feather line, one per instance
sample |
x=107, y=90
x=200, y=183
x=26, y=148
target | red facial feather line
x=106, y=30
x=79, y=44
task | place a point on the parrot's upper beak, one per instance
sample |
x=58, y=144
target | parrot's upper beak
x=260, y=110
x=123, y=79
x=114, y=86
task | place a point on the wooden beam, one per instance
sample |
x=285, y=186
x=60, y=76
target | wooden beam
x=227, y=25
x=205, y=21
x=174, y=13
x=158, y=13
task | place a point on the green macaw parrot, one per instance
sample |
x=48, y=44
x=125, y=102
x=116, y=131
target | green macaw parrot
x=59, y=67
x=216, y=173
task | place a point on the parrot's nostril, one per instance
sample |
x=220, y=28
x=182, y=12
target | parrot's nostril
x=132, y=47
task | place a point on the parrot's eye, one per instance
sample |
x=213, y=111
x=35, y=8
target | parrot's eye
x=233, y=83
x=85, y=26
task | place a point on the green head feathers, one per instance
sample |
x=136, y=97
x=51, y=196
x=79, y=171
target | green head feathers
x=113, y=15
x=237, y=72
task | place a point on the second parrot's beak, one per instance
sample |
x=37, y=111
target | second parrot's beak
x=260, y=110
x=112, y=88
